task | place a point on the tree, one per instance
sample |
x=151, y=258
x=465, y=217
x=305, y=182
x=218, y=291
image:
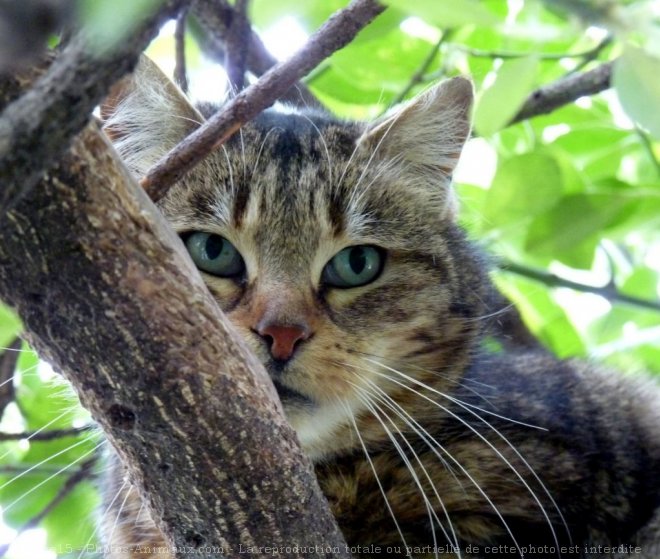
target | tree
x=569, y=187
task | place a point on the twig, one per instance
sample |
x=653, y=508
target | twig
x=180, y=74
x=565, y=90
x=45, y=435
x=339, y=30
x=8, y=360
x=238, y=40
x=609, y=292
x=34, y=469
x=418, y=76
x=589, y=55
x=648, y=147
x=215, y=17
x=37, y=128
x=85, y=471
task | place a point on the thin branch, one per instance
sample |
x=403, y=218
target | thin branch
x=33, y=469
x=238, y=40
x=180, y=73
x=609, y=292
x=648, y=147
x=84, y=472
x=338, y=31
x=46, y=435
x=8, y=361
x=418, y=76
x=215, y=17
x=38, y=127
x=588, y=55
x=565, y=90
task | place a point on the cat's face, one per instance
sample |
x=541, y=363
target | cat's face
x=331, y=248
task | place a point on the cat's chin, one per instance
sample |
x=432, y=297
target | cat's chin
x=323, y=430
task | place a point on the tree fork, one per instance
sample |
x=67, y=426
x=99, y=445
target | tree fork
x=108, y=295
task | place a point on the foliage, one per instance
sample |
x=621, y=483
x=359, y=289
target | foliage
x=574, y=193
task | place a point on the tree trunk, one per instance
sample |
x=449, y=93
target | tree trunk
x=109, y=296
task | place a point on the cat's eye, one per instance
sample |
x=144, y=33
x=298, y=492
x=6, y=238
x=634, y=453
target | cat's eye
x=214, y=254
x=353, y=266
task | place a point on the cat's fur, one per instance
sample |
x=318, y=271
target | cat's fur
x=509, y=449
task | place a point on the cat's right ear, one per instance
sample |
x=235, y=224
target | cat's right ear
x=145, y=115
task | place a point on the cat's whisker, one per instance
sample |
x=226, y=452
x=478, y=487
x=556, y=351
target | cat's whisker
x=349, y=413
x=483, y=439
x=230, y=169
x=240, y=135
x=465, y=472
x=445, y=376
x=375, y=409
x=325, y=145
x=52, y=476
x=369, y=402
x=42, y=428
x=104, y=514
x=493, y=314
x=119, y=511
x=47, y=459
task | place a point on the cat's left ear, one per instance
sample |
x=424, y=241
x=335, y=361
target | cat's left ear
x=426, y=136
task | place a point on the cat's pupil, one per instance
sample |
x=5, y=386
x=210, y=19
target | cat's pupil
x=213, y=247
x=357, y=260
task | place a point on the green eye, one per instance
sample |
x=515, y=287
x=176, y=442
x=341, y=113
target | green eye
x=214, y=254
x=353, y=266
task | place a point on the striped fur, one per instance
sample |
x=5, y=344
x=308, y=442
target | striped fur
x=418, y=435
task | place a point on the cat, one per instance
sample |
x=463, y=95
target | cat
x=334, y=249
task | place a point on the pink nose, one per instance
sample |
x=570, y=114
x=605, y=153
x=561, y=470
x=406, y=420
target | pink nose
x=283, y=338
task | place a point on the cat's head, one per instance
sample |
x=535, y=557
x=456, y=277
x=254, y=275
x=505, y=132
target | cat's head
x=330, y=245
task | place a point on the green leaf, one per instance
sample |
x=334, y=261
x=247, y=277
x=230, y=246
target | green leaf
x=447, y=13
x=107, y=23
x=499, y=103
x=384, y=63
x=524, y=186
x=541, y=313
x=10, y=326
x=576, y=219
x=636, y=79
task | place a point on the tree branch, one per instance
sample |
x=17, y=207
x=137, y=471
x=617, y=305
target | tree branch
x=109, y=296
x=8, y=361
x=84, y=472
x=238, y=40
x=338, y=31
x=37, y=128
x=418, y=76
x=565, y=90
x=552, y=280
x=215, y=17
x=180, y=74
x=46, y=435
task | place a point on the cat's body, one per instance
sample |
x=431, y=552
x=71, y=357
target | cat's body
x=349, y=279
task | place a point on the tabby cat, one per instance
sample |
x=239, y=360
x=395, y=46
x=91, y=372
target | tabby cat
x=333, y=248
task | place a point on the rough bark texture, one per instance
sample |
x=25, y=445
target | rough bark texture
x=39, y=125
x=566, y=90
x=108, y=295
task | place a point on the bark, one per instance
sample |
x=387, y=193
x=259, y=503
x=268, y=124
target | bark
x=108, y=295
x=37, y=128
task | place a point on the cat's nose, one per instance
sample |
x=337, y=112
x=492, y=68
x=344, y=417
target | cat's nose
x=283, y=338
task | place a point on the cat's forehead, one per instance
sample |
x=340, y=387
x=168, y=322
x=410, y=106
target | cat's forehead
x=289, y=180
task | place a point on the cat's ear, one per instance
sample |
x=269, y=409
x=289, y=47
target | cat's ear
x=425, y=137
x=145, y=115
